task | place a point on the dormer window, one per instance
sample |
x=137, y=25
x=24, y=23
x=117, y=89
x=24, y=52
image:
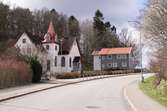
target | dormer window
x=47, y=47
x=24, y=41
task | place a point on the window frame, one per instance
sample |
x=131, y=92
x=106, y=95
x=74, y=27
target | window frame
x=47, y=46
x=124, y=64
x=24, y=40
x=55, y=47
x=55, y=61
x=114, y=64
x=63, y=61
x=70, y=62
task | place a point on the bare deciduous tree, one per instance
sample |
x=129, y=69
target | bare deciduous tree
x=155, y=29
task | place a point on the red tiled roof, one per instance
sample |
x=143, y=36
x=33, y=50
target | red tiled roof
x=110, y=51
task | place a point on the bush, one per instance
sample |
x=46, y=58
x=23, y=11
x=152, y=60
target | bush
x=88, y=67
x=36, y=70
x=14, y=72
x=70, y=75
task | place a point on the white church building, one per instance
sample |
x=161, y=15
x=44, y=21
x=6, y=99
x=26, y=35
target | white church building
x=56, y=55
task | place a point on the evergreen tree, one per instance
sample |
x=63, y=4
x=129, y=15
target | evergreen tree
x=104, y=34
x=4, y=10
x=73, y=27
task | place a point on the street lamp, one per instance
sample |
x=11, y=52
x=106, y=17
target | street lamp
x=141, y=58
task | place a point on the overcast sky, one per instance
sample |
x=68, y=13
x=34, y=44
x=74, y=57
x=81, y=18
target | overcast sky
x=118, y=12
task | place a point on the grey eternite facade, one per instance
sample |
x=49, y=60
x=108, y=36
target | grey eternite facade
x=113, y=58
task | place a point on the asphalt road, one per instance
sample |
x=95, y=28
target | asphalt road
x=97, y=95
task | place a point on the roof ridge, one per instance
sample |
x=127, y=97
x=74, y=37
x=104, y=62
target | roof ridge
x=117, y=50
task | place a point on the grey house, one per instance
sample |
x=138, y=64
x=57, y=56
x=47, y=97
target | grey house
x=113, y=58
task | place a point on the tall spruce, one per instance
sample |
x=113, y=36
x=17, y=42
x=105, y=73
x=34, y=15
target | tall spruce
x=4, y=11
x=73, y=27
x=104, y=34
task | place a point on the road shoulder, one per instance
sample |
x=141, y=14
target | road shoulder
x=138, y=101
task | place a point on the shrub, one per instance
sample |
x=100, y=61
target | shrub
x=87, y=67
x=36, y=70
x=14, y=72
x=70, y=75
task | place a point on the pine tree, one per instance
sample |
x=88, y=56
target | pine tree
x=73, y=27
x=104, y=34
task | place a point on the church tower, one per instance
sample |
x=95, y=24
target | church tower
x=51, y=45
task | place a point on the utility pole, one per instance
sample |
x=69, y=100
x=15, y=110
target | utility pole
x=141, y=52
x=61, y=40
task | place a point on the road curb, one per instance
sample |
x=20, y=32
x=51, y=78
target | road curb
x=129, y=102
x=65, y=84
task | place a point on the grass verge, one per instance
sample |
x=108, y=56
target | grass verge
x=159, y=94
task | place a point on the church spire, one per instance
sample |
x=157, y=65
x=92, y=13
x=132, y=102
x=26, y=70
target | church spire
x=51, y=32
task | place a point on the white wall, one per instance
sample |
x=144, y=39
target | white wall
x=27, y=48
x=30, y=49
x=52, y=53
x=73, y=53
x=96, y=63
x=49, y=55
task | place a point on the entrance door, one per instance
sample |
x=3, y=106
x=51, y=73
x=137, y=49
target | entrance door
x=48, y=65
x=75, y=66
x=76, y=63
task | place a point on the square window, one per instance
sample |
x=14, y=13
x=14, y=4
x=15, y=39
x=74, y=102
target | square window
x=115, y=65
x=110, y=57
x=124, y=64
x=118, y=56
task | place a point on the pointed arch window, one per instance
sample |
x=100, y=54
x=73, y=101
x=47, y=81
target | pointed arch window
x=70, y=62
x=55, y=61
x=63, y=62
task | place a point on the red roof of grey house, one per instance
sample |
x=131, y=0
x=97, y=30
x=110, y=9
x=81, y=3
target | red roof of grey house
x=110, y=51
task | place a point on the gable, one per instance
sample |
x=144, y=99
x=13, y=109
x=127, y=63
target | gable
x=75, y=49
x=66, y=45
x=24, y=42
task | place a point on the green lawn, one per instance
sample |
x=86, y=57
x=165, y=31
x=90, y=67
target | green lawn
x=159, y=94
